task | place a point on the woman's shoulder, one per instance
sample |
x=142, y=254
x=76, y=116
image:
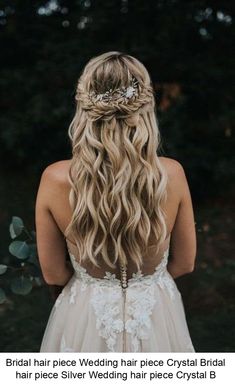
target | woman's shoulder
x=174, y=167
x=178, y=182
x=57, y=171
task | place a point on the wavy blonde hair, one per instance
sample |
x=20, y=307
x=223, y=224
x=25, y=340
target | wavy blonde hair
x=118, y=185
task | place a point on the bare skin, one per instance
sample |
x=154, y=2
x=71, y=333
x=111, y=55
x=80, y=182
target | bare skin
x=53, y=214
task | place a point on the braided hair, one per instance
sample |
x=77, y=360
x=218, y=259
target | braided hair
x=117, y=181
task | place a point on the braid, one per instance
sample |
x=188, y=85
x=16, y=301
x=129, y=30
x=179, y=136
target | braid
x=118, y=185
x=120, y=107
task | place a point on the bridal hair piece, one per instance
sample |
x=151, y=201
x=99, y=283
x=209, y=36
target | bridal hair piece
x=117, y=180
x=115, y=102
x=114, y=95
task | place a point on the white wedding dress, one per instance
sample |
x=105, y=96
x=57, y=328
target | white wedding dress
x=96, y=315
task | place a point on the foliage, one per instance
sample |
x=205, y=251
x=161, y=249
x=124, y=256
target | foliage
x=23, y=272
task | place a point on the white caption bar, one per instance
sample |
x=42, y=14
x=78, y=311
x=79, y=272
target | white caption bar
x=163, y=369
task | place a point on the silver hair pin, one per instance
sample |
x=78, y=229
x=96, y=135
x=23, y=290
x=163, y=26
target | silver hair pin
x=112, y=95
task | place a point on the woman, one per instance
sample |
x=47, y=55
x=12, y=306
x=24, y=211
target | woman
x=118, y=209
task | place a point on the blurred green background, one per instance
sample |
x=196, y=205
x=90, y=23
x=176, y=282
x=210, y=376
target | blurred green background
x=187, y=48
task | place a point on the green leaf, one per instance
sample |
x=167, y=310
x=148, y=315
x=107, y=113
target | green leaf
x=16, y=226
x=3, y=269
x=22, y=286
x=19, y=249
x=12, y=232
x=2, y=296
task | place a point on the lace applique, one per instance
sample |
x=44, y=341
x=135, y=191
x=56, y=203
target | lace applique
x=164, y=279
x=108, y=303
x=73, y=293
x=107, y=306
x=160, y=276
x=82, y=274
x=59, y=298
x=167, y=283
x=140, y=305
x=111, y=277
x=108, y=280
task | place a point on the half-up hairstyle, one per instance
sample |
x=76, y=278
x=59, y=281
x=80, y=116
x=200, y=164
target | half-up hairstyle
x=118, y=185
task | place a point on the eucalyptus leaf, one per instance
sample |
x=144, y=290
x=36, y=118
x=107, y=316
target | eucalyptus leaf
x=21, y=285
x=3, y=269
x=16, y=226
x=12, y=231
x=19, y=249
x=2, y=296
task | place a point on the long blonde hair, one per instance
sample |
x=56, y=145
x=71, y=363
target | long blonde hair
x=118, y=185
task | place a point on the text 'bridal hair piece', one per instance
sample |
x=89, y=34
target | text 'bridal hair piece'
x=113, y=95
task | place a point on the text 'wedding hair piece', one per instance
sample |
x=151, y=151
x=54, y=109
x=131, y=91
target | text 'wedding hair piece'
x=113, y=95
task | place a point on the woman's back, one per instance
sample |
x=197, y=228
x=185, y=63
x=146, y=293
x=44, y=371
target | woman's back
x=118, y=209
x=95, y=313
x=181, y=236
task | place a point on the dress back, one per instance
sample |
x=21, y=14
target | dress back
x=151, y=260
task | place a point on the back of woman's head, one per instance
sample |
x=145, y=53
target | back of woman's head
x=114, y=86
x=118, y=185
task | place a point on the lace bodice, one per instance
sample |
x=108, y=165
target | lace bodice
x=119, y=310
x=110, y=279
x=95, y=312
x=151, y=259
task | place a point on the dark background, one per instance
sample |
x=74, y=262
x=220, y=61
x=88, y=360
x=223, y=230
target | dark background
x=187, y=46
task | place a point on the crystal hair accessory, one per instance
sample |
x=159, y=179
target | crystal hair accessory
x=113, y=95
